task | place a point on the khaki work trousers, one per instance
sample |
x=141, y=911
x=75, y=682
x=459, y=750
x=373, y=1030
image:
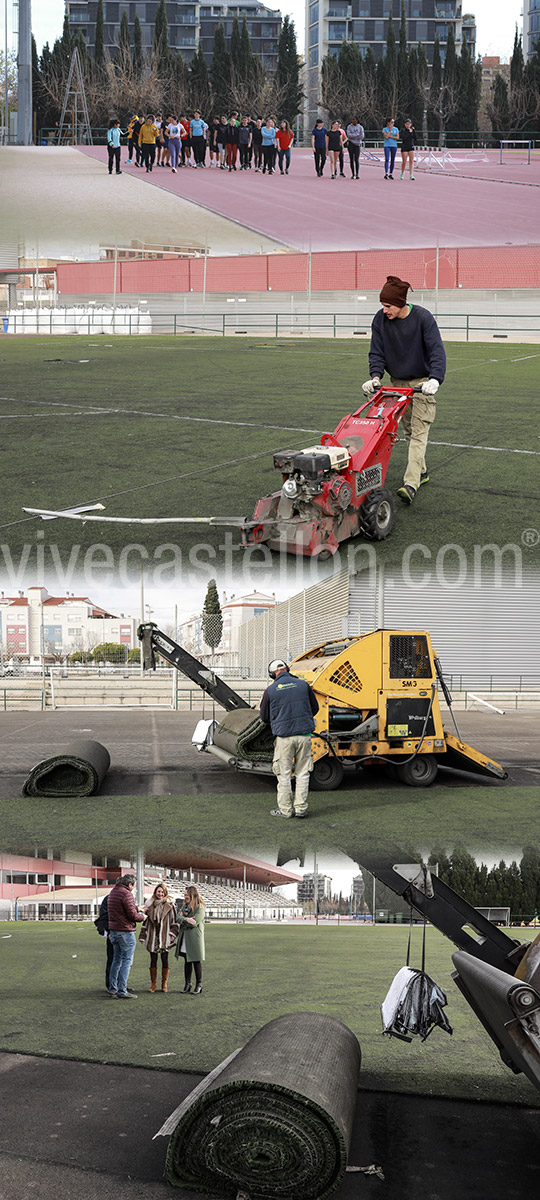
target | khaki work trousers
x=416, y=420
x=289, y=751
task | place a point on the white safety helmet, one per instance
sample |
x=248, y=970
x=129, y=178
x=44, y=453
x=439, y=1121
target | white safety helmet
x=276, y=665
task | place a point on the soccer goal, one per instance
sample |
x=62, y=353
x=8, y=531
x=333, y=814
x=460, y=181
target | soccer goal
x=515, y=151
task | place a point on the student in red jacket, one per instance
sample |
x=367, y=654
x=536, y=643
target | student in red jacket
x=123, y=917
x=284, y=139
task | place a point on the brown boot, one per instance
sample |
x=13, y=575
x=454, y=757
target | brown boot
x=153, y=977
x=164, y=977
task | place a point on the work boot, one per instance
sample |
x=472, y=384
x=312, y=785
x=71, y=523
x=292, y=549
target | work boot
x=165, y=972
x=153, y=979
x=406, y=493
x=424, y=478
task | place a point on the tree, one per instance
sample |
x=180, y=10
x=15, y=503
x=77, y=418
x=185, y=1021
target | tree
x=220, y=73
x=99, y=46
x=517, y=65
x=246, y=53
x=161, y=47
x=288, y=72
x=403, y=67
x=435, y=92
x=123, y=56
x=137, y=48
x=499, y=106
x=236, y=45
x=388, y=78
x=199, y=86
x=468, y=91
x=109, y=651
x=450, y=94
x=212, y=617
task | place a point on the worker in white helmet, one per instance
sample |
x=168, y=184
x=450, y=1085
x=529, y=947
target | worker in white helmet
x=288, y=706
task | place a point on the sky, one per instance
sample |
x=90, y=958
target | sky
x=495, y=19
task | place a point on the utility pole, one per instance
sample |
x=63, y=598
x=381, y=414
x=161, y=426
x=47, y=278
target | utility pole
x=24, y=110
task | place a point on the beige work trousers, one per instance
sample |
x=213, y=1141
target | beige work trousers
x=416, y=420
x=292, y=752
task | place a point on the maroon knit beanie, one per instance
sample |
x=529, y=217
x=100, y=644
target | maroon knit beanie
x=394, y=291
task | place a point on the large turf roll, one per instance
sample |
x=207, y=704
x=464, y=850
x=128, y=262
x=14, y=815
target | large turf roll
x=243, y=734
x=275, y=1123
x=77, y=770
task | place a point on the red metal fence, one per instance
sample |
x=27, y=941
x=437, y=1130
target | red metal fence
x=358, y=270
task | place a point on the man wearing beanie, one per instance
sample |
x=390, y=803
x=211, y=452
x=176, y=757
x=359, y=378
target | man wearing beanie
x=405, y=341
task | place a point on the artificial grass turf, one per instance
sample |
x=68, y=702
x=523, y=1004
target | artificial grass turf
x=59, y=451
x=489, y=820
x=53, y=1002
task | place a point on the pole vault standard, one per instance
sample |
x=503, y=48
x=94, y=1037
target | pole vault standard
x=24, y=111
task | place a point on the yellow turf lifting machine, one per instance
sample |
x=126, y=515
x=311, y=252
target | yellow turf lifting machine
x=378, y=702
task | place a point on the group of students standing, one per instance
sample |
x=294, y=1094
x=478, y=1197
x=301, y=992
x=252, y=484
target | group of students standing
x=330, y=143
x=165, y=924
x=179, y=141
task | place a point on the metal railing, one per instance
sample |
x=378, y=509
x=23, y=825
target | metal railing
x=470, y=139
x=465, y=326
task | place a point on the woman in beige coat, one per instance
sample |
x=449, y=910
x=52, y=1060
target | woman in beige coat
x=159, y=933
x=190, y=944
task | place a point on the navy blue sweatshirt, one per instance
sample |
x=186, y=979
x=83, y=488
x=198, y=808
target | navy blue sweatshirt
x=408, y=349
x=288, y=706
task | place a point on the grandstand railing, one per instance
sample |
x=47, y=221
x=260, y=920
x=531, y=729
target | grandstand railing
x=466, y=326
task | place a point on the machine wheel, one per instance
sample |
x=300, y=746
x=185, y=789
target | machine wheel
x=420, y=772
x=377, y=515
x=327, y=774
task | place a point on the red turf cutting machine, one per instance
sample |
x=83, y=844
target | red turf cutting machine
x=329, y=492
x=335, y=490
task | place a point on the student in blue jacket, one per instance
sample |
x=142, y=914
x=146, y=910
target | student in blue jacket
x=390, y=134
x=113, y=145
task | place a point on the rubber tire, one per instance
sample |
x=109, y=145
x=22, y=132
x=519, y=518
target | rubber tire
x=327, y=774
x=377, y=504
x=420, y=772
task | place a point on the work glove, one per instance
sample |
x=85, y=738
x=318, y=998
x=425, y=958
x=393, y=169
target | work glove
x=371, y=386
x=431, y=387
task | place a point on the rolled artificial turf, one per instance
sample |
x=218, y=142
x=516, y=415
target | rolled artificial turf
x=275, y=1122
x=77, y=770
x=243, y=734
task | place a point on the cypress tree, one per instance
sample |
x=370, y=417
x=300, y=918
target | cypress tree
x=99, y=48
x=123, y=56
x=451, y=82
x=388, y=75
x=199, y=86
x=516, y=64
x=137, y=48
x=161, y=39
x=499, y=108
x=403, y=67
x=288, y=72
x=246, y=54
x=212, y=617
x=236, y=45
x=220, y=73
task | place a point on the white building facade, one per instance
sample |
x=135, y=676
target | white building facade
x=36, y=623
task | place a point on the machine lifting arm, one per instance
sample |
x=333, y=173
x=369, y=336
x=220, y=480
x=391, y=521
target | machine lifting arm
x=498, y=976
x=155, y=642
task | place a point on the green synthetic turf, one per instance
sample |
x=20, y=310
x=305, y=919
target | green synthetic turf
x=58, y=451
x=492, y=820
x=53, y=1001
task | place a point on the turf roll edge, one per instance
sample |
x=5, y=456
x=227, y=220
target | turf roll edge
x=243, y=734
x=276, y=1121
x=77, y=770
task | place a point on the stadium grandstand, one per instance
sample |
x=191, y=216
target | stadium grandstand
x=233, y=888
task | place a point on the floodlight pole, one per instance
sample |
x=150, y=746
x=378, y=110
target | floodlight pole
x=6, y=76
x=24, y=108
